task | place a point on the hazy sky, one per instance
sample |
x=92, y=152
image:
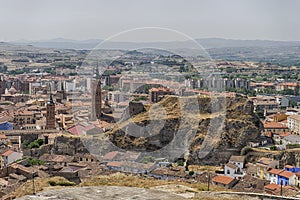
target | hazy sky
x=86, y=19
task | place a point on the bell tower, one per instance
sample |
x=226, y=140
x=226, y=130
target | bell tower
x=50, y=115
x=96, y=96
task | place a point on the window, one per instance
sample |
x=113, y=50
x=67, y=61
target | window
x=228, y=172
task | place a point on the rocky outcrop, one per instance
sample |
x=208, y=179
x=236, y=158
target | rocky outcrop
x=204, y=129
x=291, y=156
x=68, y=145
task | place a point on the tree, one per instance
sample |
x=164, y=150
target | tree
x=191, y=173
x=292, y=104
x=273, y=148
x=260, y=114
x=35, y=144
x=180, y=163
x=107, y=87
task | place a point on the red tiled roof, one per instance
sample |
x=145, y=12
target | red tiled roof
x=8, y=152
x=76, y=130
x=110, y=155
x=275, y=171
x=114, y=164
x=292, y=84
x=295, y=117
x=289, y=166
x=264, y=161
x=79, y=129
x=272, y=186
x=284, y=134
x=2, y=136
x=160, y=89
x=290, y=187
x=223, y=179
x=274, y=125
x=286, y=174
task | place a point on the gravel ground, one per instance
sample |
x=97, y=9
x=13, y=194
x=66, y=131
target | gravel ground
x=103, y=192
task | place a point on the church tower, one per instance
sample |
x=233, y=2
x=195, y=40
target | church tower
x=96, y=96
x=50, y=115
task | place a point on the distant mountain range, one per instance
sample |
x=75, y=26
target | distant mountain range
x=207, y=43
x=277, y=52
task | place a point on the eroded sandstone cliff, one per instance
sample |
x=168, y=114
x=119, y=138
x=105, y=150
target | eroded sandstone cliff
x=204, y=129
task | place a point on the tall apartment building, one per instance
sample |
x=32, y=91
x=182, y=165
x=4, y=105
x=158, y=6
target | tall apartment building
x=156, y=94
x=294, y=123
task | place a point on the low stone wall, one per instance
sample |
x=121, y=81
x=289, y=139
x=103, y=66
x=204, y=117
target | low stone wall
x=38, y=151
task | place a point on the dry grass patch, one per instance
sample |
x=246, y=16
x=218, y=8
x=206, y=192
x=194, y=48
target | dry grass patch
x=40, y=185
x=119, y=179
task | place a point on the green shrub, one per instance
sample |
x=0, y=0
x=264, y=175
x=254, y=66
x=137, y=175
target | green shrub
x=273, y=148
x=35, y=161
x=35, y=144
x=180, y=163
x=61, y=183
x=66, y=183
x=191, y=173
x=52, y=183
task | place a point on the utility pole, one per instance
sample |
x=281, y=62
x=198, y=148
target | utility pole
x=208, y=181
x=281, y=188
x=33, y=186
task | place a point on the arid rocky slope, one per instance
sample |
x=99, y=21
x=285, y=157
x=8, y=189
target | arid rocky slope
x=206, y=129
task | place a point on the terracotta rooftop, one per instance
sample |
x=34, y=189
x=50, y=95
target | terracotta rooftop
x=289, y=166
x=114, y=164
x=295, y=117
x=284, y=134
x=223, y=179
x=160, y=89
x=272, y=187
x=291, y=84
x=79, y=129
x=275, y=171
x=274, y=125
x=286, y=174
x=264, y=161
x=25, y=113
x=2, y=136
x=8, y=152
x=110, y=155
